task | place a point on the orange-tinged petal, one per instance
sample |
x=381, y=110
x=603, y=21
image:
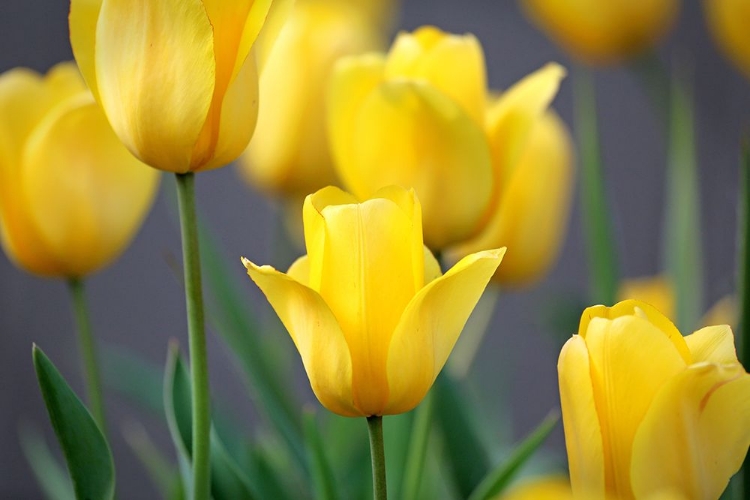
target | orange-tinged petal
x=696, y=433
x=315, y=332
x=84, y=16
x=430, y=326
x=714, y=344
x=729, y=22
x=583, y=433
x=155, y=72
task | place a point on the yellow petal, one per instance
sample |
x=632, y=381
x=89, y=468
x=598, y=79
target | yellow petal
x=714, y=344
x=86, y=193
x=583, y=433
x=630, y=359
x=315, y=332
x=696, y=433
x=540, y=488
x=430, y=326
x=277, y=18
x=84, y=15
x=409, y=134
x=729, y=22
x=155, y=71
x=723, y=312
x=655, y=290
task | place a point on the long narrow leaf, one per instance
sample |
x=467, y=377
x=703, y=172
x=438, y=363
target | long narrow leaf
x=743, y=264
x=162, y=473
x=321, y=472
x=415, y=462
x=50, y=475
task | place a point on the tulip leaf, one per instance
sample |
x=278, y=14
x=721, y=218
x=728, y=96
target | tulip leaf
x=743, y=262
x=85, y=448
x=50, y=475
x=324, y=484
x=417, y=449
x=162, y=473
x=497, y=480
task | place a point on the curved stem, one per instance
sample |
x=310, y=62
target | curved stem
x=377, y=452
x=87, y=345
x=196, y=336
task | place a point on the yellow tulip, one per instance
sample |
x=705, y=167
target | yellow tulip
x=176, y=78
x=533, y=164
x=289, y=152
x=416, y=118
x=648, y=413
x=540, y=488
x=597, y=31
x=71, y=196
x=368, y=309
x=729, y=22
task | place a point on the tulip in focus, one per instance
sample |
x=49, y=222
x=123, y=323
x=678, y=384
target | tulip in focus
x=603, y=31
x=71, y=195
x=729, y=22
x=649, y=413
x=415, y=118
x=177, y=80
x=368, y=309
x=532, y=157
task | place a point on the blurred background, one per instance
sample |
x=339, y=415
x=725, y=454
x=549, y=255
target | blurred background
x=138, y=302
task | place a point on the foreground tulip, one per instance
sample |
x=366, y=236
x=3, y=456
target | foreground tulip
x=598, y=31
x=289, y=153
x=71, y=196
x=372, y=317
x=533, y=163
x=416, y=118
x=647, y=412
x=729, y=21
x=177, y=79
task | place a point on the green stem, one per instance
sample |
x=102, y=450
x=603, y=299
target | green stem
x=743, y=332
x=87, y=344
x=377, y=452
x=197, y=337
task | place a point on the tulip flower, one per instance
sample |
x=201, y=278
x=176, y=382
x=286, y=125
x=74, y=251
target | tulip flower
x=71, y=195
x=368, y=309
x=649, y=413
x=596, y=31
x=416, y=118
x=533, y=165
x=540, y=488
x=729, y=22
x=177, y=79
x=289, y=153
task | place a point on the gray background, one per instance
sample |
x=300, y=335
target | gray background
x=138, y=303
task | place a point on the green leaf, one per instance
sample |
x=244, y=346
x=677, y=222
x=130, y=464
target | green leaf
x=50, y=475
x=414, y=468
x=743, y=278
x=497, y=480
x=86, y=450
x=162, y=473
x=324, y=484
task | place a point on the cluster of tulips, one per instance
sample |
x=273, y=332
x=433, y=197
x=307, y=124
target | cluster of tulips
x=415, y=188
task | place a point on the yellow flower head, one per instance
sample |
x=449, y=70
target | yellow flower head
x=176, y=78
x=602, y=31
x=71, y=196
x=368, y=309
x=415, y=118
x=729, y=21
x=648, y=413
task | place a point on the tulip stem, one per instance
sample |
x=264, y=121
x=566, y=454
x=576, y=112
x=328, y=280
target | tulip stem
x=377, y=452
x=196, y=337
x=87, y=345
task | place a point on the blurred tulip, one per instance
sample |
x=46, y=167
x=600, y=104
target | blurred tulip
x=540, y=488
x=729, y=22
x=289, y=152
x=648, y=413
x=416, y=118
x=603, y=31
x=533, y=162
x=71, y=196
x=177, y=79
x=372, y=317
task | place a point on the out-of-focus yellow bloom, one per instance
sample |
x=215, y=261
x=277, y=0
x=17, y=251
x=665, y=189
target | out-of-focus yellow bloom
x=540, y=488
x=368, y=309
x=648, y=413
x=533, y=164
x=729, y=22
x=289, y=153
x=71, y=195
x=177, y=79
x=597, y=31
x=416, y=118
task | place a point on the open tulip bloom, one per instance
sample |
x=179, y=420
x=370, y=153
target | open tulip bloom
x=649, y=412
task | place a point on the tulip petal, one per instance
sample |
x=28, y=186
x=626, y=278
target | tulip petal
x=84, y=15
x=155, y=71
x=430, y=326
x=728, y=20
x=315, y=332
x=87, y=212
x=630, y=359
x=655, y=290
x=714, y=344
x=696, y=433
x=583, y=433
